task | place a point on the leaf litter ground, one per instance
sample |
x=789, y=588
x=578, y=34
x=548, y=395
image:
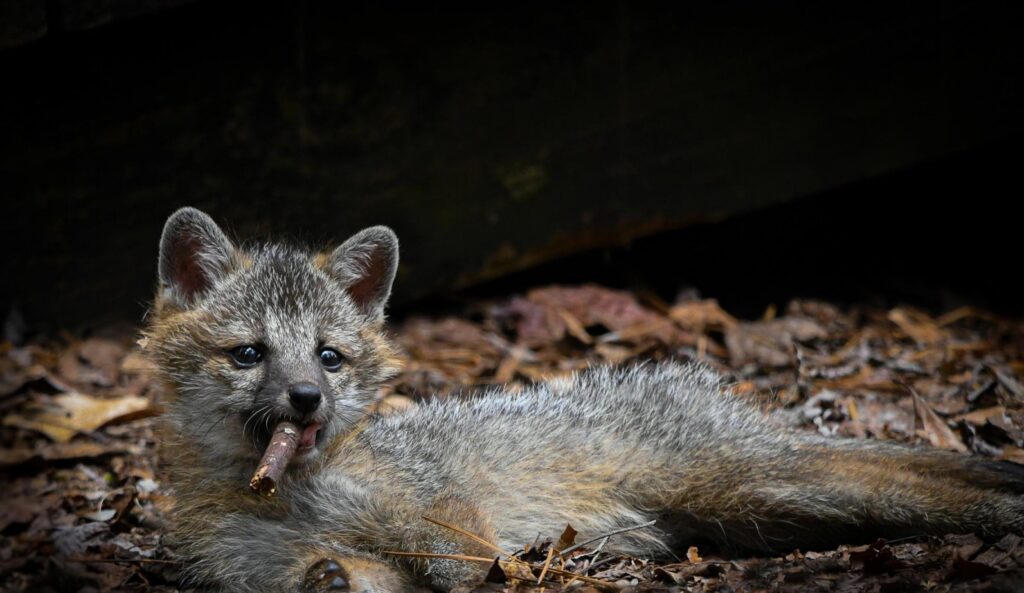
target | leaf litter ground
x=86, y=506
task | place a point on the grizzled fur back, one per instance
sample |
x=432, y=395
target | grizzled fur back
x=608, y=448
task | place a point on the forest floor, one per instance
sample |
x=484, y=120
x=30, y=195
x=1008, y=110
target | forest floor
x=86, y=506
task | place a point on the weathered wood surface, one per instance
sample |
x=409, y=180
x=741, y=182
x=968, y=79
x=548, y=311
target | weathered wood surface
x=489, y=141
x=24, y=21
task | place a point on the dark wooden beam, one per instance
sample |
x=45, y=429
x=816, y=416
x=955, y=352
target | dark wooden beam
x=490, y=140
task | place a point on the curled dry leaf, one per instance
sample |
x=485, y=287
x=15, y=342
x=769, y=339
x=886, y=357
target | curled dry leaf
x=72, y=413
x=701, y=315
x=917, y=326
x=935, y=430
x=567, y=539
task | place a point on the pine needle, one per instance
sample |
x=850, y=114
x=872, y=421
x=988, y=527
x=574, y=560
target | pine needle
x=569, y=550
x=547, y=563
x=596, y=582
x=556, y=571
x=471, y=536
x=444, y=556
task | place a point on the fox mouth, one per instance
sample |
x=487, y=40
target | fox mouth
x=309, y=439
x=259, y=433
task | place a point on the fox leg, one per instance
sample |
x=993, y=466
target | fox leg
x=243, y=553
x=430, y=537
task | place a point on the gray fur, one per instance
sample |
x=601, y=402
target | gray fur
x=603, y=449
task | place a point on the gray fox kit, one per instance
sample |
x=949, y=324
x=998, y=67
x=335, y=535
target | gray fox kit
x=245, y=338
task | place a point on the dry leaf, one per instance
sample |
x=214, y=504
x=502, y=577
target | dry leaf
x=34, y=378
x=701, y=315
x=935, y=429
x=496, y=574
x=95, y=360
x=917, y=326
x=1008, y=381
x=574, y=327
x=877, y=558
x=543, y=314
x=770, y=343
x=981, y=417
x=65, y=452
x=692, y=555
x=567, y=539
x=72, y=413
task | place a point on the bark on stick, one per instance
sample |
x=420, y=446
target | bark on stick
x=279, y=452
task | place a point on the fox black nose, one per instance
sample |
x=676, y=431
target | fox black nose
x=305, y=397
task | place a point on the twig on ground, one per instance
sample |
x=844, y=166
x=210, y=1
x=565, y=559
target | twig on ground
x=556, y=571
x=471, y=536
x=571, y=549
x=547, y=564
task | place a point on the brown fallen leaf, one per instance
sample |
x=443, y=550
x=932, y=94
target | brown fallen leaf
x=701, y=315
x=15, y=457
x=770, y=343
x=875, y=558
x=1013, y=454
x=980, y=417
x=916, y=325
x=1009, y=382
x=567, y=539
x=541, y=316
x=934, y=429
x=20, y=510
x=496, y=574
x=574, y=327
x=692, y=554
x=72, y=413
x=94, y=361
x=955, y=315
x=65, y=452
x=34, y=378
x=681, y=573
x=964, y=545
x=856, y=426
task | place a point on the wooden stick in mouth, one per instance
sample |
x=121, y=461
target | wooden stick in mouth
x=283, y=443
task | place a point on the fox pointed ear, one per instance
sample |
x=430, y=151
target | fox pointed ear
x=366, y=265
x=194, y=254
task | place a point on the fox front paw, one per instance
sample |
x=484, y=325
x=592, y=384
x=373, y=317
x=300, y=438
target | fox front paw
x=325, y=576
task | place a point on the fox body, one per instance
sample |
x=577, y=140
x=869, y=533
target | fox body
x=246, y=337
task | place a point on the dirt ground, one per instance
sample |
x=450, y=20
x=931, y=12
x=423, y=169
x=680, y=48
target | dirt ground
x=86, y=506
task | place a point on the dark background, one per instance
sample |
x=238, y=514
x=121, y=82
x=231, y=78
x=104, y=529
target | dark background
x=756, y=151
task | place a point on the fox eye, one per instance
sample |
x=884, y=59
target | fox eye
x=246, y=356
x=331, y=359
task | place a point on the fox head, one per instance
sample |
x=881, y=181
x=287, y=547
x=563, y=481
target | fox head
x=247, y=337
